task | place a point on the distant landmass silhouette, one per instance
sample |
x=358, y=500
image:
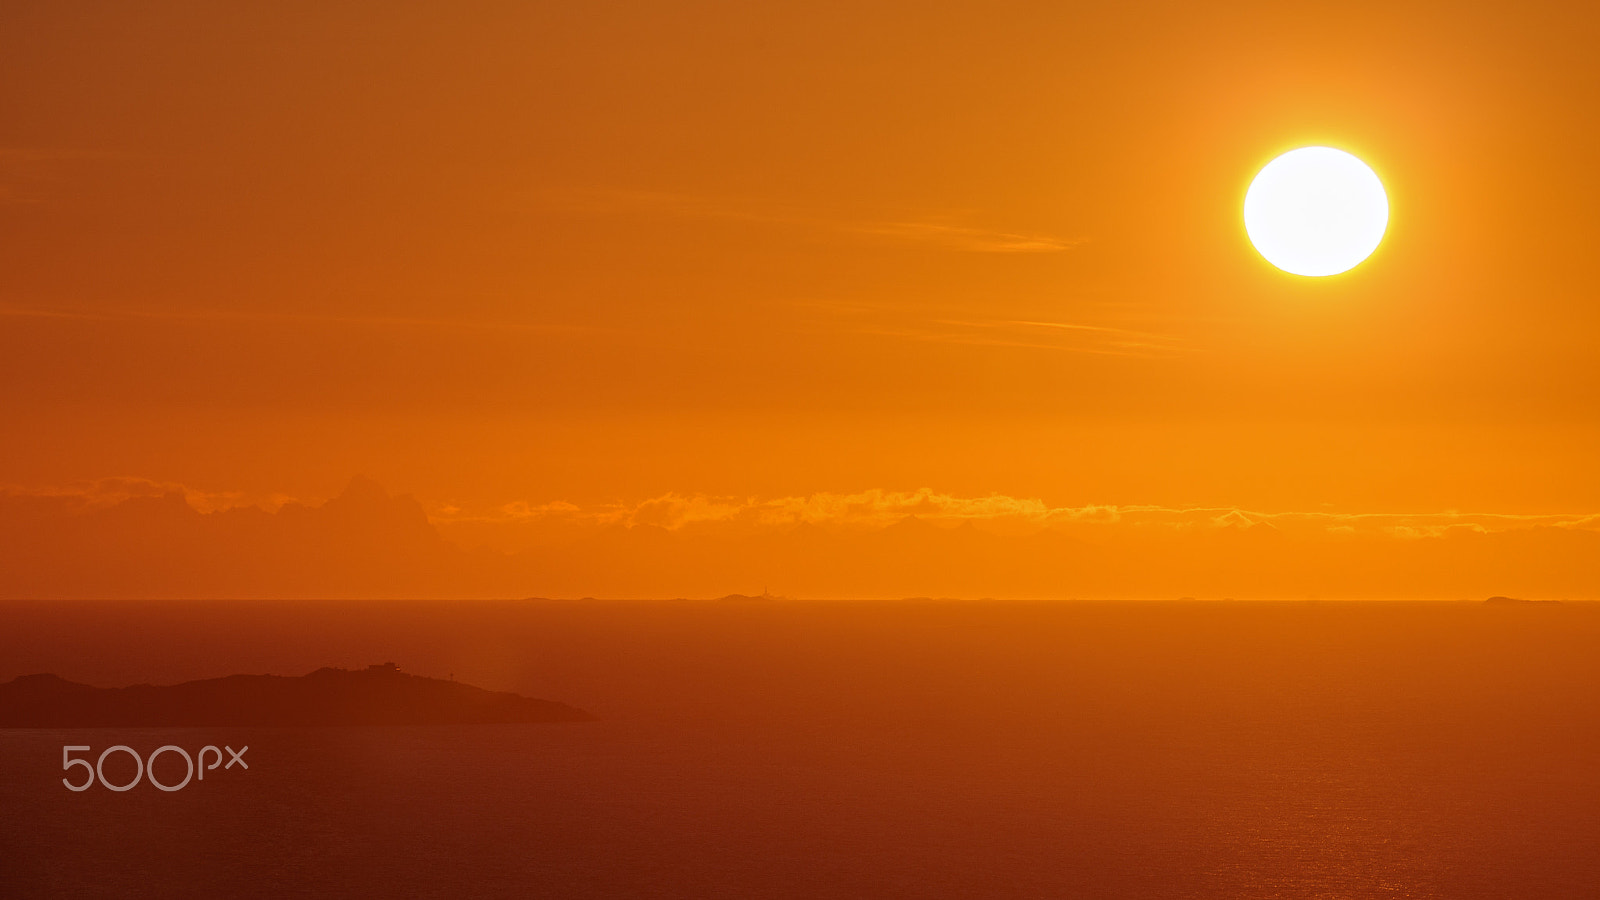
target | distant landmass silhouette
x=745, y=598
x=1515, y=601
x=377, y=695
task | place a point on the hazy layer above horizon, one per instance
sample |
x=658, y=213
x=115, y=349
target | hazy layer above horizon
x=526, y=262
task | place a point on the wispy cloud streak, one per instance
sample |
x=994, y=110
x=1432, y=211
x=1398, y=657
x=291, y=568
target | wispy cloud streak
x=941, y=230
x=248, y=316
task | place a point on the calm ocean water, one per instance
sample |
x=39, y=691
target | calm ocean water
x=849, y=750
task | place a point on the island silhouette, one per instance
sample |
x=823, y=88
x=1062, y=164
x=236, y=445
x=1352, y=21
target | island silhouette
x=376, y=695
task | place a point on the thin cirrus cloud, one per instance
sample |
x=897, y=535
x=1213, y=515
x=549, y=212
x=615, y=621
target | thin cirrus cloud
x=972, y=240
x=1071, y=337
x=940, y=231
x=1075, y=336
x=290, y=318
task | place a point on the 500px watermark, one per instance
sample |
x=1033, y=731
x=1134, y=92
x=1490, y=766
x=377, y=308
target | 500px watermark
x=147, y=766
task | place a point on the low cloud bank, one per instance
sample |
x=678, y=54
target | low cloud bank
x=136, y=538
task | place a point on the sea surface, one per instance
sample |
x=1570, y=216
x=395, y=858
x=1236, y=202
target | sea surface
x=841, y=750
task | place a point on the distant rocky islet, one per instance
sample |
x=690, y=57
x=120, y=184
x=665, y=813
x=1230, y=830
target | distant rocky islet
x=376, y=695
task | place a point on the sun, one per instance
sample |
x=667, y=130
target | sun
x=1316, y=211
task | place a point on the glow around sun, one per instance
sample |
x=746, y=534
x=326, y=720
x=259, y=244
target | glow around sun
x=1316, y=211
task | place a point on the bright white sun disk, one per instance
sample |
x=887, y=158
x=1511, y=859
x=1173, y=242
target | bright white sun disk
x=1316, y=211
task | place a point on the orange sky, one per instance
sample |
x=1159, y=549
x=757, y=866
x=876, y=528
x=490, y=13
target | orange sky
x=499, y=254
